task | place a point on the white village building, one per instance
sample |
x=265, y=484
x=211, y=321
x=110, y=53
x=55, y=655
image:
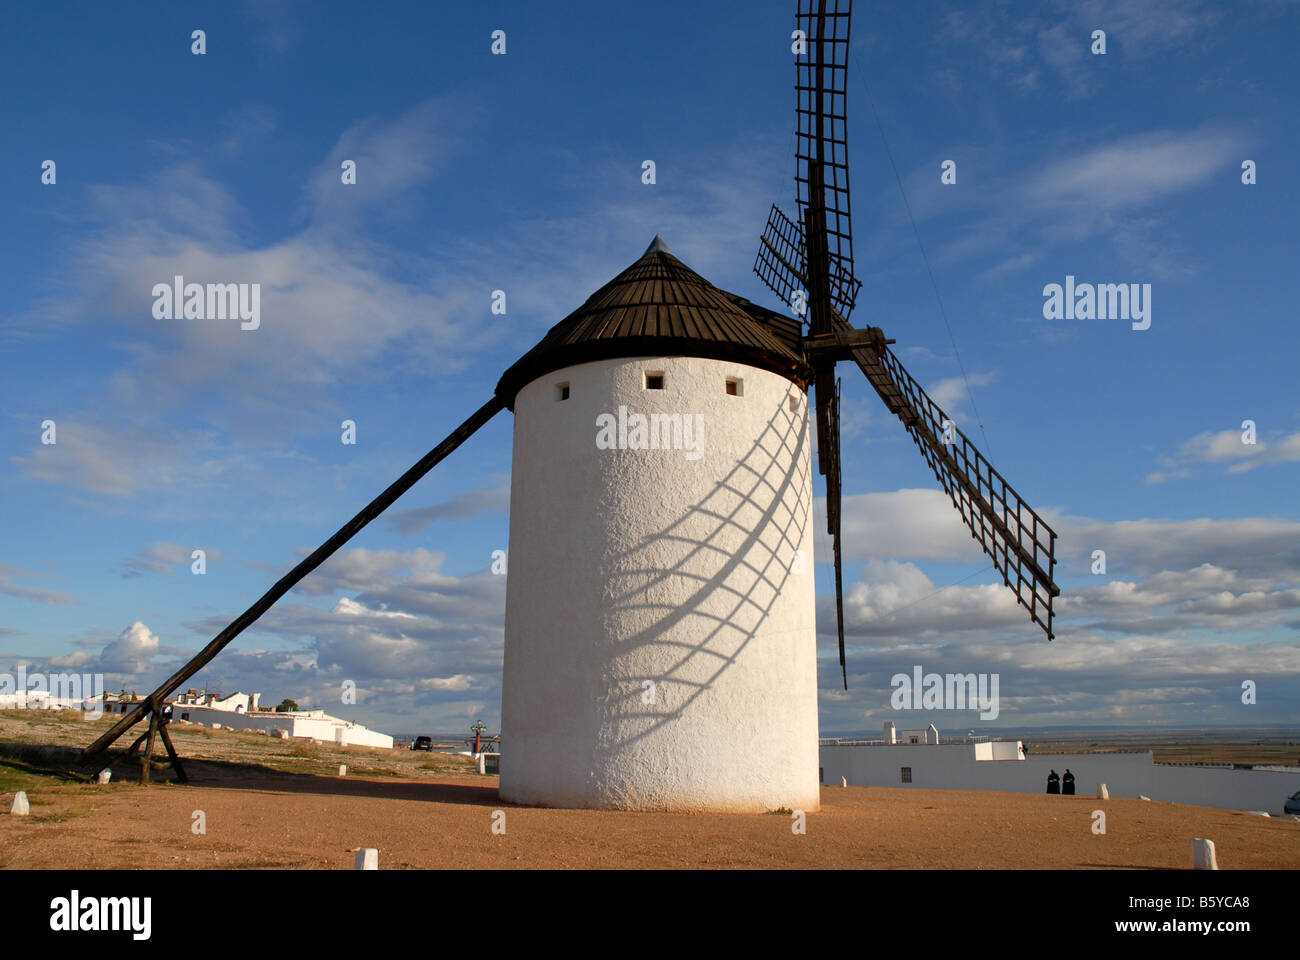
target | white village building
x=44, y=700
x=981, y=763
x=21, y=690
x=243, y=711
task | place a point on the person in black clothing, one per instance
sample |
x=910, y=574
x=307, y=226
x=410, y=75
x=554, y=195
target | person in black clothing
x=1067, y=783
x=1053, y=783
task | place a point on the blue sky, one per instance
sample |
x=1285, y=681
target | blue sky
x=522, y=172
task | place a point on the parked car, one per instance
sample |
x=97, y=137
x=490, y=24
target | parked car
x=1293, y=804
x=423, y=743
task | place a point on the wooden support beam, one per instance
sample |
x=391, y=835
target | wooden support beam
x=130, y=751
x=840, y=344
x=147, y=757
x=374, y=508
x=171, y=752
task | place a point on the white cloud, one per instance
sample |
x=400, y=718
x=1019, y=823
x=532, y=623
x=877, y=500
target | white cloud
x=403, y=619
x=1226, y=446
x=1022, y=46
x=74, y=660
x=1012, y=264
x=113, y=456
x=458, y=682
x=352, y=608
x=1250, y=546
x=391, y=158
x=1115, y=187
x=1135, y=170
x=1206, y=597
x=360, y=568
x=1169, y=648
x=55, y=598
x=912, y=524
x=131, y=652
x=163, y=557
x=953, y=393
x=921, y=524
x=461, y=507
x=897, y=600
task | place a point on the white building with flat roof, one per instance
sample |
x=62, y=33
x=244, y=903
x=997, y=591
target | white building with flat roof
x=981, y=763
x=242, y=711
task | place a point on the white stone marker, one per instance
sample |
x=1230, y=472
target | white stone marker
x=368, y=858
x=21, y=807
x=1102, y=792
x=482, y=764
x=343, y=769
x=105, y=775
x=1203, y=855
x=844, y=781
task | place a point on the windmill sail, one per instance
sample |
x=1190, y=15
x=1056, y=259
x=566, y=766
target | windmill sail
x=821, y=146
x=814, y=256
x=1019, y=542
x=833, y=497
x=781, y=264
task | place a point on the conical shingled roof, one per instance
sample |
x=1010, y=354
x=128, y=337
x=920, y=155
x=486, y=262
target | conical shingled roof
x=660, y=307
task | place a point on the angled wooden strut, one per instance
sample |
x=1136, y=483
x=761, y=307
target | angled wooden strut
x=152, y=705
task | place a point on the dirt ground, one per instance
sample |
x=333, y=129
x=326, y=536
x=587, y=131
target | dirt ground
x=316, y=822
x=269, y=804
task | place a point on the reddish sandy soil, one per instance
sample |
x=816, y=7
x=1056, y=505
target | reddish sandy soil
x=445, y=821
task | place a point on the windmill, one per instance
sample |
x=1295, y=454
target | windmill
x=660, y=633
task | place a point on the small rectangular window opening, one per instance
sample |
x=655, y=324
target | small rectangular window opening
x=794, y=404
x=735, y=387
x=907, y=774
x=561, y=391
x=654, y=381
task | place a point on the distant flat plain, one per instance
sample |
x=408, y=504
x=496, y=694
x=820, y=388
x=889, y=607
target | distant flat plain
x=1247, y=746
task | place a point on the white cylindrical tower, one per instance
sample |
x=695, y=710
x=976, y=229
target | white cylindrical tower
x=660, y=648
